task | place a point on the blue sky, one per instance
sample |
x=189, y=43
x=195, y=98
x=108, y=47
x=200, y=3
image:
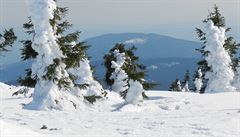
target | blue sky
x=176, y=18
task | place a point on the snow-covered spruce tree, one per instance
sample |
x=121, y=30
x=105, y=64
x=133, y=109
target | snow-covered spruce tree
x=122, y=83
x=185, y=82
x=76, y=58
x=221, y=76
x=132, y=68
x=185, y=87
x=48, y=67
x=7, y=39
x=230, y=45
x=179, y=85
x=119, y=76
x=198, y=81
x=28, y=53
x=134, y=92
x=175, y=86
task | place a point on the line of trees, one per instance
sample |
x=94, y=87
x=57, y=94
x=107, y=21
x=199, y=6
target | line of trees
x=61, y=74
x=62, y=77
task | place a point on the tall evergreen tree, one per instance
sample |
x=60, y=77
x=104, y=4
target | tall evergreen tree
x=134, y=70
x=73, y=50
x=198, y=81
x=230, y=44
x=28, y=53
x=7, y=39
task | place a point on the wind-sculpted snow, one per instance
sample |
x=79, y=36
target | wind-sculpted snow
x=171, y=114
x=134, y=94
x=221, y=76
x=84, y=75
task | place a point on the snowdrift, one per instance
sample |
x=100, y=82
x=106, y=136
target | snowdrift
x=164, y=114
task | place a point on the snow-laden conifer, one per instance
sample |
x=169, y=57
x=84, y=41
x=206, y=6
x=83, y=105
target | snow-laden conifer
x=185, y=87
x=48, y=66
x=198, y=81
x=7, y=39
x=84, y=80
x=179, y=86
x=221, y=76
x=119, y=76
x=134, y=94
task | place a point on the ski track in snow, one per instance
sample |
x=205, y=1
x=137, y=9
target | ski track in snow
x=165, y=114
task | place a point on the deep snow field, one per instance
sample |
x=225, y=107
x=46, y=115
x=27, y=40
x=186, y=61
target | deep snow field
x=165, y=114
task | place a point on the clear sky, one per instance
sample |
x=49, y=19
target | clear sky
x=176, y=18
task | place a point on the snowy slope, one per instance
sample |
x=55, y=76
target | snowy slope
x=168, y=114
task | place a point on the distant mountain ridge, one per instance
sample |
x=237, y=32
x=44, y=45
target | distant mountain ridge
x=165, y=57
x=149, y=46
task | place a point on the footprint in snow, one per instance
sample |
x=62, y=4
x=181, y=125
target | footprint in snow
x=124, y=131
x=164, y=107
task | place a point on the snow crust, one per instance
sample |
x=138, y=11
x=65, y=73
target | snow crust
x=166, y=113
x=11, y=130
x=221, y=77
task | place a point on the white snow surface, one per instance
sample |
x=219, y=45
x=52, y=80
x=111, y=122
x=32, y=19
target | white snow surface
x=165, y=114
x=221, y=77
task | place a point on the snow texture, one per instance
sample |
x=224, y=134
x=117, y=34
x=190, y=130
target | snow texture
x=134, y=94
x=119, y=76
x=11, y=130
x=46, y=94
x=198, y=81
x=164, y=114
x=84, y=75
x=221, y=76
